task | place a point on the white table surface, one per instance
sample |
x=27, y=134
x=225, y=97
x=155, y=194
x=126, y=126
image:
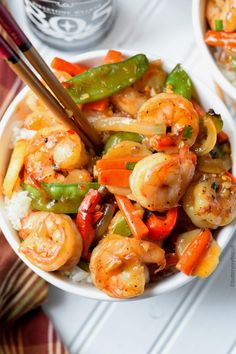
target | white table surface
x=198, y=318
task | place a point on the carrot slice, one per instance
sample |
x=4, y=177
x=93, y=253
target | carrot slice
x=136, y=224
x=119, y=163
x=194, y=252
x=113, y=56
x=220, y=39
x=70, y=68
x=118, y=178
x=99, y=106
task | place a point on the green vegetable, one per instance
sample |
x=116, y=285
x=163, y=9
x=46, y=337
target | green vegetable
x=105, y=80
x=116, y=138
x=84, y=265
x=130, y=165
x=58, y=198
x=180, y=82
x=103, y=223
x=219, y=25
x=121, y=227
x=216, y=119
x=188, y=132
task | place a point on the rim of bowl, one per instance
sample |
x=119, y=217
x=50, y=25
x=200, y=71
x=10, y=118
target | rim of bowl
x=88, y=290
x=198, y=7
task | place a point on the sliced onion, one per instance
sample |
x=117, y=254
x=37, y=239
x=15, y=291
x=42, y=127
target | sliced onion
x=209, y=165
x=207, y=144
x=126, y=125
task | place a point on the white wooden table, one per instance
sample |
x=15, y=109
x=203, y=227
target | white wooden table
x=198, y=318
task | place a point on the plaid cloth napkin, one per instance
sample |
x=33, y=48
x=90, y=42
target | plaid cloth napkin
x=24, y=328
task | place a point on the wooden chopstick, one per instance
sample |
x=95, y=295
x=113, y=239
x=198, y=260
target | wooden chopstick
x=25, y=46
x=26, y=74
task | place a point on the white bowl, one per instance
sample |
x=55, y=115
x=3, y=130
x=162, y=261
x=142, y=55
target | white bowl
x=200, y=27
x=208, y=100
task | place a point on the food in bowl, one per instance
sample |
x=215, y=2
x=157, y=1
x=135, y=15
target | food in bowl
x=221, y=17
x=148, y=205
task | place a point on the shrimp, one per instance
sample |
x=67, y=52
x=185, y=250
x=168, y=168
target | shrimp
x=210, y=201
x=118, y=267
x=52, y=150
x=176, y=112
x=50, y=241
x=224, y=10
x=159, y=181
x=128, y=100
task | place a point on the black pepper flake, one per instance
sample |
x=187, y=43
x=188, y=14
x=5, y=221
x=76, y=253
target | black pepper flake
x=215, y=186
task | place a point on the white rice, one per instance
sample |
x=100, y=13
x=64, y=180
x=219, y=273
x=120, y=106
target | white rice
x=77, y=275
x=17, y=207
x=19, y=133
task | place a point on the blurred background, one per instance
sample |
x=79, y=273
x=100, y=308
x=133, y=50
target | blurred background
x=198, y=318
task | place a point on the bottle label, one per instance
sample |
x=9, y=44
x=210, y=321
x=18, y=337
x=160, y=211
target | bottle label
x=68, y=20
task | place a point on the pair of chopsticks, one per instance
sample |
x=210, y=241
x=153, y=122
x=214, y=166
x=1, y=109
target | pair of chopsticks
x=57, y=100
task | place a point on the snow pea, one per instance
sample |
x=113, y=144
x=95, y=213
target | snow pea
x=105, y=80
x=116, y=138
x=180, y=82
x=58, y=198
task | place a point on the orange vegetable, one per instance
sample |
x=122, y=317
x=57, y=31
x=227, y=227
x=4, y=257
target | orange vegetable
x=136, y=224
x=113, y=56
x=70, y=68
x=221, y=39
x=114, y=177
x=99, y=106
x=160, y=227
x=118, y=163
x=222, y=137
x=194, y=252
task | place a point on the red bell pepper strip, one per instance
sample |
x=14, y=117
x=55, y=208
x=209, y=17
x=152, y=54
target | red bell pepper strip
x=84, y=219
x=97, y=215
x=233, y=179
x=220, y=39
x=160, y=227
x=222, y=137
x=70, y=68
